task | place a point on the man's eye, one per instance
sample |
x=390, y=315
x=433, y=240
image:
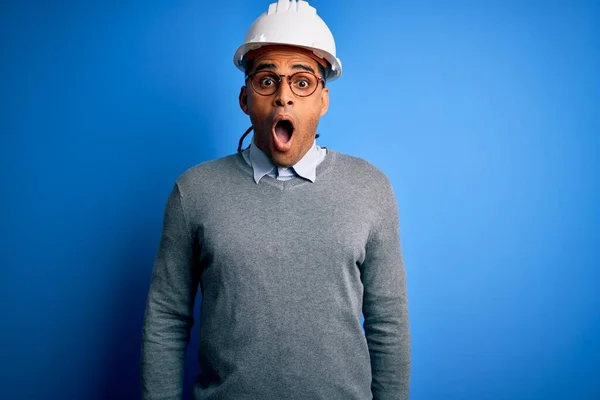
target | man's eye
x=266, y=82
x=302, y=84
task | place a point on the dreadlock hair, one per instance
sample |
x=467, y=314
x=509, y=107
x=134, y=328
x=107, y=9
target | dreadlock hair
x=241, y=142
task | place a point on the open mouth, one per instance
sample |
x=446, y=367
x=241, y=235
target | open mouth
x=283, y=130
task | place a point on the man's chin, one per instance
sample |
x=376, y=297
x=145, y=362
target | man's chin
x=283, y=162
x=283, y=159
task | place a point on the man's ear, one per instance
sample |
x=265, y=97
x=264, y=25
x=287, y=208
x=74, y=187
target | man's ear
x=324, y=101
x=244, y=99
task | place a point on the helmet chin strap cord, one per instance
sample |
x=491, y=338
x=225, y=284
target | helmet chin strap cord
x=241, y=142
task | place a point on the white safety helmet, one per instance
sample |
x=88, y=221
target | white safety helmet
x=294, y=23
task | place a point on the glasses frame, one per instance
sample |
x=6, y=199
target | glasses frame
x=279, y=78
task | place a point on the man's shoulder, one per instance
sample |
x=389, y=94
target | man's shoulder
x=357, y=168
x=208, y=170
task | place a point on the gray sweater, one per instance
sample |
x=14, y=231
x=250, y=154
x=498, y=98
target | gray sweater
x=285, y=270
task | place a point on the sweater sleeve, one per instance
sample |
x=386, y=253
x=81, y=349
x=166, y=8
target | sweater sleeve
x=168, y=316
x=385, y=307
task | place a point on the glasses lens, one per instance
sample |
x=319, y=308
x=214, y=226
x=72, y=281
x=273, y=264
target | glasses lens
x=303, y=83
x=265, y=83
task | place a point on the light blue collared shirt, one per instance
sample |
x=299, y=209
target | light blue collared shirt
x=305, y=168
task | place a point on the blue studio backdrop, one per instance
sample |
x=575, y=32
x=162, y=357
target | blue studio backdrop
x=485, y=116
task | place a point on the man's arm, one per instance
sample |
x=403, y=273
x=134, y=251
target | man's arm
x=385, y=307
x=169, y=309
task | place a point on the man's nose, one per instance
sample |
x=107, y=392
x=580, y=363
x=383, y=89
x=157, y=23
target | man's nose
x=284, y=95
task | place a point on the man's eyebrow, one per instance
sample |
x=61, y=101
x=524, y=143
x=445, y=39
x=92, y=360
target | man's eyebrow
x=270, y=66
x=303, y=67
x=264, y=66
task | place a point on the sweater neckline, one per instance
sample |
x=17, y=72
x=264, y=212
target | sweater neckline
x=322, y=169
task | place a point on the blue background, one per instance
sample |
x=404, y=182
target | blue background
x=485, y=116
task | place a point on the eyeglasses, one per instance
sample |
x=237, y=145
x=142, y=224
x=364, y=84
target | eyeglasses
x=302, y=83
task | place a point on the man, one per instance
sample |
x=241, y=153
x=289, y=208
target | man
x=289, y=242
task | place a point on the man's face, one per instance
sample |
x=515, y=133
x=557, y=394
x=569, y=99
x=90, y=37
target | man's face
x=285, y=143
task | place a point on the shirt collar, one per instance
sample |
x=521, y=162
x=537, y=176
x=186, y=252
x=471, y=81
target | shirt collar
x=305, y=168
x=261, y=165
